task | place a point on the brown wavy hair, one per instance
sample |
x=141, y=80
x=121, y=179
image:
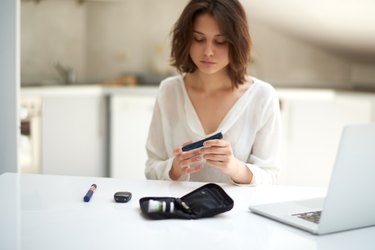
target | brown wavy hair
x=233, y=24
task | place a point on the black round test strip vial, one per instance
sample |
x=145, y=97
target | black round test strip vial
x=122, y=197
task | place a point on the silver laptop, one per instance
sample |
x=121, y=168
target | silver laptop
x=350, y=199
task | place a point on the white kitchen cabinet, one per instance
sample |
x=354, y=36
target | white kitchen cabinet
x=75, y=140
x=74, y=134
x=130, y=117
x=312, y=124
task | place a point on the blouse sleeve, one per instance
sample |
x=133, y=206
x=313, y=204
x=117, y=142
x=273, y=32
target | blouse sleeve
x=158, y=163
x=263, y=161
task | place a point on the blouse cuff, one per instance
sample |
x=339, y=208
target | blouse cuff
x=167, y=168
x=253, y=180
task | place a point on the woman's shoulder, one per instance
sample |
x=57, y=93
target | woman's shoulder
x=171, y=82
x=262, y=92
x=171, y=87
x=262, y=87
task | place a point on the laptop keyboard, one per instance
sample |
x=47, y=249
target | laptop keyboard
x=310, y=216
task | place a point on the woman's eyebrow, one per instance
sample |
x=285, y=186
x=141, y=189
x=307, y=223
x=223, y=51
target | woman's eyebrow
x=201, y=33
x=196, y=31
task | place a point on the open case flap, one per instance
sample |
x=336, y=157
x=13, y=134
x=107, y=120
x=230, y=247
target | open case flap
x=205, y=201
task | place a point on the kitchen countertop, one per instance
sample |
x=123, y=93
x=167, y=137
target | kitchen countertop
x=99, y=89
x=92, y=89
x=143, y=89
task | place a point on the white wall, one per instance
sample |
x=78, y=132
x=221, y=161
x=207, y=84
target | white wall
x=52, y=31
x=104, y=39
x=9, y=87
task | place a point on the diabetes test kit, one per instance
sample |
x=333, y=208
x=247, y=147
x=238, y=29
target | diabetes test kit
x=205, y=201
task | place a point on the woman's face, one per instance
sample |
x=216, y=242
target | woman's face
x=209, y=48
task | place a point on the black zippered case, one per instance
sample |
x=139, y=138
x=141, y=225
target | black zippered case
x=205, y=201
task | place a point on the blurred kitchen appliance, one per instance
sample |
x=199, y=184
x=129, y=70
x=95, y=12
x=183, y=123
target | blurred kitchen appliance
x=30, y=138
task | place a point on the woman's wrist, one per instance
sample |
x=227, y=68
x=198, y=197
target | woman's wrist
x=174, y=173
x=242, y=174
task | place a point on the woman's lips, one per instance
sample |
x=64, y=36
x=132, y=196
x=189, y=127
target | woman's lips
x=207, y=62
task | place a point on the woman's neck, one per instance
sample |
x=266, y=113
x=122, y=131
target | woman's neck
x=210, y=82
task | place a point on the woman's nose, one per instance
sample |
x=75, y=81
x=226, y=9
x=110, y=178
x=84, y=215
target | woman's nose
x=208, y=51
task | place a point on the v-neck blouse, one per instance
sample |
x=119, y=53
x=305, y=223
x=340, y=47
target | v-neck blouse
x=232, y=115
x=252, y=126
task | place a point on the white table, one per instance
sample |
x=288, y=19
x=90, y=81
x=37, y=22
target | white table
x=47, y=212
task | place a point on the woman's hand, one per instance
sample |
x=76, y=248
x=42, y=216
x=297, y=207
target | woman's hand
x=185, y=162
x=219, y=154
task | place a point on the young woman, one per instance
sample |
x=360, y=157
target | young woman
x=211, y=49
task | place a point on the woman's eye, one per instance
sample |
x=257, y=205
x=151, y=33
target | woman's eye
x=221, y=42
x=198, y=39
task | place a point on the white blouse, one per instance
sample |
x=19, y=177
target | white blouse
x=252, y=126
